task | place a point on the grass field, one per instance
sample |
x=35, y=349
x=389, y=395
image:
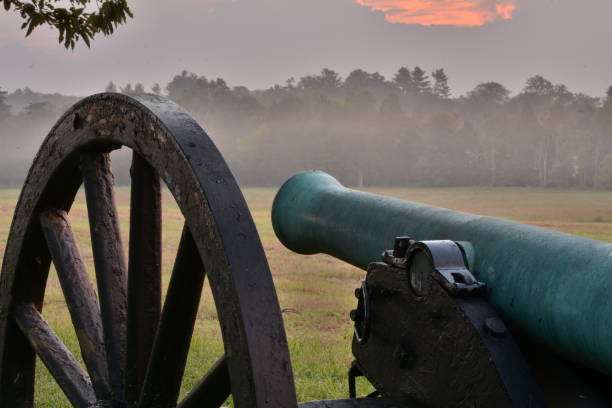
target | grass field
x=316, y=292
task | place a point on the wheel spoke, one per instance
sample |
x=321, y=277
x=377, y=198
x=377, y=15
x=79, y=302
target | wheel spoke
x=59, y=361
x=144, y=272
x=109, y=261
x=167, y=364
x=80, y=296
x=17, y=357
x=212, y=390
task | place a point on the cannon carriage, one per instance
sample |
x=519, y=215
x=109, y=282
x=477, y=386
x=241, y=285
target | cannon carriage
x=433, y=319
x=464, y=301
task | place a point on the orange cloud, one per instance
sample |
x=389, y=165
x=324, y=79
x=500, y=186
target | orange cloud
x=505, y=10
x=462, y=13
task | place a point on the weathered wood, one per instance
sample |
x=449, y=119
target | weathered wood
x=209, y=198
x=25, y=269
x=385, y=402
x=109, y=261
x=59, y=361
x=212, y=390
x=167, y=364
x=80, y=297
x=144, y=272
x=18, y=358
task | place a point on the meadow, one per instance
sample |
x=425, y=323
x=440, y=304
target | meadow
x=315, y=292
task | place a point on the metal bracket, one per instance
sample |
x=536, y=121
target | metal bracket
x=361, y=315
x=448, y=263
x=449, y=267
x=353, y=373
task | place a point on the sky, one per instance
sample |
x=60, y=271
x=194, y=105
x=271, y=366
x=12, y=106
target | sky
x=258, y=43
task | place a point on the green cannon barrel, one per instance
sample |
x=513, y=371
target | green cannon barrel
x=556, y=287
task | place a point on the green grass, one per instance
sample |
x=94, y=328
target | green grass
x=315, y=292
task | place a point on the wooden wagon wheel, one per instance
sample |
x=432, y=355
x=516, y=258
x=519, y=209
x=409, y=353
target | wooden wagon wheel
x=134, y=350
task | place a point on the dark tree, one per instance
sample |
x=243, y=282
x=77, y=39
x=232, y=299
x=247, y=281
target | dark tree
x=73, y=22
x=181, y=84
x=403, y=80
x=362, y=81
x=111, y=87
x=139, y=89
x=608, y=99
x=421, y=82
x=440, y=87
x=5, y=109
x=328, y=80
x=156, y=89
x=489, y=92
x=357, y=79
x=127, y=90
x=538, y=85
x=562, y=95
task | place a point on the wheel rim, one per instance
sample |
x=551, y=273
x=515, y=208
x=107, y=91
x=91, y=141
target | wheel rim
x=219, y=240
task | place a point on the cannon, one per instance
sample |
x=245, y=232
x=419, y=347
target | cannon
x=464, y=310
x=134, y=347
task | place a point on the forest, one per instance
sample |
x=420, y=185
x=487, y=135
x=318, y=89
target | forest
x=366, y=130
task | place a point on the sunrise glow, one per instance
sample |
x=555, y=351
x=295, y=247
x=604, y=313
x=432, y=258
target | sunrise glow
x=505, y=10
x=462, y=13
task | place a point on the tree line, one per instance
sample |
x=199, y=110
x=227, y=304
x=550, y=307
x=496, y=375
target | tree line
x=366, y=129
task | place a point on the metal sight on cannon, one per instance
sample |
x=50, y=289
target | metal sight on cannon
x=465, y=310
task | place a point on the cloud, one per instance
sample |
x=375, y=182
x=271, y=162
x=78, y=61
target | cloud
x=462, y=13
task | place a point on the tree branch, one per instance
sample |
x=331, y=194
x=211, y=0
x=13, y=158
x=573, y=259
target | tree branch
x=73, y=23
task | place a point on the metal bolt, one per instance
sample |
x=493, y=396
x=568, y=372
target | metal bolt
x=495, y=326
x=404, y=356
x=356, y=315
x=77, y=122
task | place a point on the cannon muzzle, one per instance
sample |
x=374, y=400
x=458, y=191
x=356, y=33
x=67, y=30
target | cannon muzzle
x=555, y=287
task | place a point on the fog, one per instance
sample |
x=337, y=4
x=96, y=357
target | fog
x=367, y=130
x=523, y=100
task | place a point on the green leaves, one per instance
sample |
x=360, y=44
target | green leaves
x=74, y=22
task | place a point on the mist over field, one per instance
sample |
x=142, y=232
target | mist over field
x=366, y=129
